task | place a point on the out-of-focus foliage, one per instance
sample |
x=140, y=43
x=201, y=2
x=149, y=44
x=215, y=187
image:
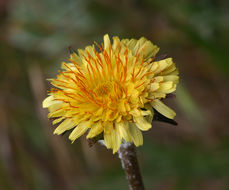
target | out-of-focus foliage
x=34, y=38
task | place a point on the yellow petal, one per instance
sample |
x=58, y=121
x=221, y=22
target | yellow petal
x=136, y=134
x=76, y=58
x=154, y=67
x=162, y=65
x=121, y=106
x=150, y=50
x=64, y=126
x=95, y=130
x=149, y=117
x=158, y=79
x=170, y=70
x=173, y=78
x=165, y=86
x=154, y=86
x=108, y=114
x=80, y=118
x=107, y=134
x=90, y=50
x=79, y=130
x=67, y=67
x=57, y=106
x=130, y=43
x=163, y=109
x=49, y=101
x=81, y=54
x=123, y=130
x=119, y=118
x=111, y=138
x=175, y=72
x=57, y=113
x=117, y=141
x=135, y=112
x=145, y=46
x=57, y=120
x=107, y=41
x=172, y=89
x=142, y=124
x=156, y=94
x=116, y=43
x=127, y=106
x=144, y=113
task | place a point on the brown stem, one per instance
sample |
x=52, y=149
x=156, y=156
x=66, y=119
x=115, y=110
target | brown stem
x=128, y=157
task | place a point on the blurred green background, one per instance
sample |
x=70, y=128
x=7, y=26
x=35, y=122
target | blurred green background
x=33, y=41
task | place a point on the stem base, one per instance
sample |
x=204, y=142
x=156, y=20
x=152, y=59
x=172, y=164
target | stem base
x=128, y=157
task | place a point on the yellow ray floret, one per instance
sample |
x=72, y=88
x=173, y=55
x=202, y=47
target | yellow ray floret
x=112, y=89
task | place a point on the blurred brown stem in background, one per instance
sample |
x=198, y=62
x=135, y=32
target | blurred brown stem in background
x=61, y=153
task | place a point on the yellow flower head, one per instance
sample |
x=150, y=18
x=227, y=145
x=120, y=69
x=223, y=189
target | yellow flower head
x=112, y=89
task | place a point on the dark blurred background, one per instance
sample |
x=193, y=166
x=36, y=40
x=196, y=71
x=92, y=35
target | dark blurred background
x=34, y=36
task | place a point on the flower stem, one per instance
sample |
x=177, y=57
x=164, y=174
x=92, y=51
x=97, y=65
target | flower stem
x=128, y=157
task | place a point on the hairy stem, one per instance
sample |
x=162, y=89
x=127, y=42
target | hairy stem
x=128, y=157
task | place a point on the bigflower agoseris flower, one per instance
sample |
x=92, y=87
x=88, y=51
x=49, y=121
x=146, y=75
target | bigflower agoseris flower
x=112, y=89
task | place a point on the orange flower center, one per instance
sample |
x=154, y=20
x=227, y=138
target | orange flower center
x=104, y=89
